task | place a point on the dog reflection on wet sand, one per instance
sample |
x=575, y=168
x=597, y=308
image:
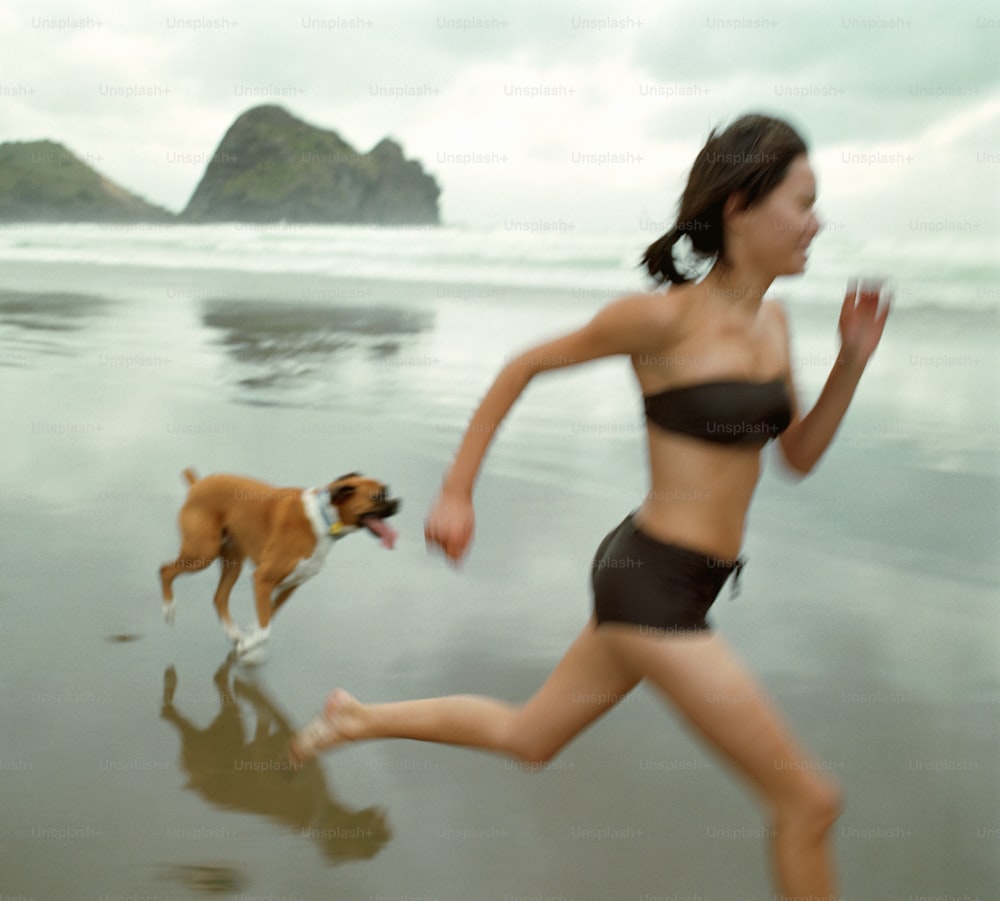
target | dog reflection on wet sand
x=256, y=777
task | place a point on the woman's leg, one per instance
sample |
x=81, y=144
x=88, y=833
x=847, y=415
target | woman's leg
x=704, y=680
x=698, y=674
x=588, y=681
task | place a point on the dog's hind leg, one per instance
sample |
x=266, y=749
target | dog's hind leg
x=200, y=540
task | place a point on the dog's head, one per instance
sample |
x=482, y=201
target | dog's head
x=364, y=502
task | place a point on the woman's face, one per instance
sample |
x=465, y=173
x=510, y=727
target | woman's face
x=778, y=231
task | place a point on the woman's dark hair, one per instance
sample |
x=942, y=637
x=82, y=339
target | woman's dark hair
x=752, y=157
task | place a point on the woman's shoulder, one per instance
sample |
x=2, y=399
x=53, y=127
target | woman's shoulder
x=653, y=309
x=774, y=309
x=775, y=306
x=652, y=319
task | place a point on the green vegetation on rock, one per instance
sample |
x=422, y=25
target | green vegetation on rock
x=42, y=181
x=272, y=167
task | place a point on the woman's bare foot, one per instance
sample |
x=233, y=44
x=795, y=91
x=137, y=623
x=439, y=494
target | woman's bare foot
x=336, y=725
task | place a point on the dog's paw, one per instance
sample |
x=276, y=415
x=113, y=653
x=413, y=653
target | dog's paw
x=233, y=633
x=257, y=656
x=254, y=640
x=168, y=613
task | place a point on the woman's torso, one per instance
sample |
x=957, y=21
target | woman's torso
x=700, y=489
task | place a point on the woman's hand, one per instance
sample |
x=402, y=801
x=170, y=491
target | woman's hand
x=450, y=524
x=861, y=323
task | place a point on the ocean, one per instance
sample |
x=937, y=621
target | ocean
x=136, y=762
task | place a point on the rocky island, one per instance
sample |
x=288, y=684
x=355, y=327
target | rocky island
x=273, y=167
x=270, y=167
x=42, y=181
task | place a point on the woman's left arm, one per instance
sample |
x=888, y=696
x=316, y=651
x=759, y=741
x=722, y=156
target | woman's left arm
x=861, y=325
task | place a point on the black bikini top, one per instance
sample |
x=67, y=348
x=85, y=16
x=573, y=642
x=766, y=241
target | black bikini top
x=727, y=411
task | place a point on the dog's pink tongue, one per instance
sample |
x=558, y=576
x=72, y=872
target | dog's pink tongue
x=383, y=530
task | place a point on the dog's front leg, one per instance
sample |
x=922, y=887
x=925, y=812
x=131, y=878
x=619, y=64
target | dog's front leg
x=283, y=595
x=231, y=559
x=264, y=584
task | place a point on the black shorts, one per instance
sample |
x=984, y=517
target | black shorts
x=640, y=580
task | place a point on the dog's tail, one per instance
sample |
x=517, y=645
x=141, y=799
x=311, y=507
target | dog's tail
x=190, y=475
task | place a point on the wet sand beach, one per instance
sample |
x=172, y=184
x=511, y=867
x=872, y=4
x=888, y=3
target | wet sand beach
x=135, y=761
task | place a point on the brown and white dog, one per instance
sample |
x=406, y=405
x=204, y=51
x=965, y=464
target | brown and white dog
x=286, y=532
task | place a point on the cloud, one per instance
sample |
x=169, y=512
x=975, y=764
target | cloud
x=570, y=109
x=847, y=71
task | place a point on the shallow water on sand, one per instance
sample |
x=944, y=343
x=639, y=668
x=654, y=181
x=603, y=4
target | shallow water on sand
x=136, y=762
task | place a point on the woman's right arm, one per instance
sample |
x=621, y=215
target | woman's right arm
x=632, y=325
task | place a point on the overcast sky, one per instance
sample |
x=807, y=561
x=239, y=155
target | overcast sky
x=582, y=112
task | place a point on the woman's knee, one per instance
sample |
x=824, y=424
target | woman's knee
x=518, y=740
x=814, y=805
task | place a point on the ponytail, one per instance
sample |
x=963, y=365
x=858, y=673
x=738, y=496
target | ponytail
x=659, y=258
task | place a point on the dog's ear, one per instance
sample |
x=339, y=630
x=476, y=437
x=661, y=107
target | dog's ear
x=342, y=494
x=350, y=475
